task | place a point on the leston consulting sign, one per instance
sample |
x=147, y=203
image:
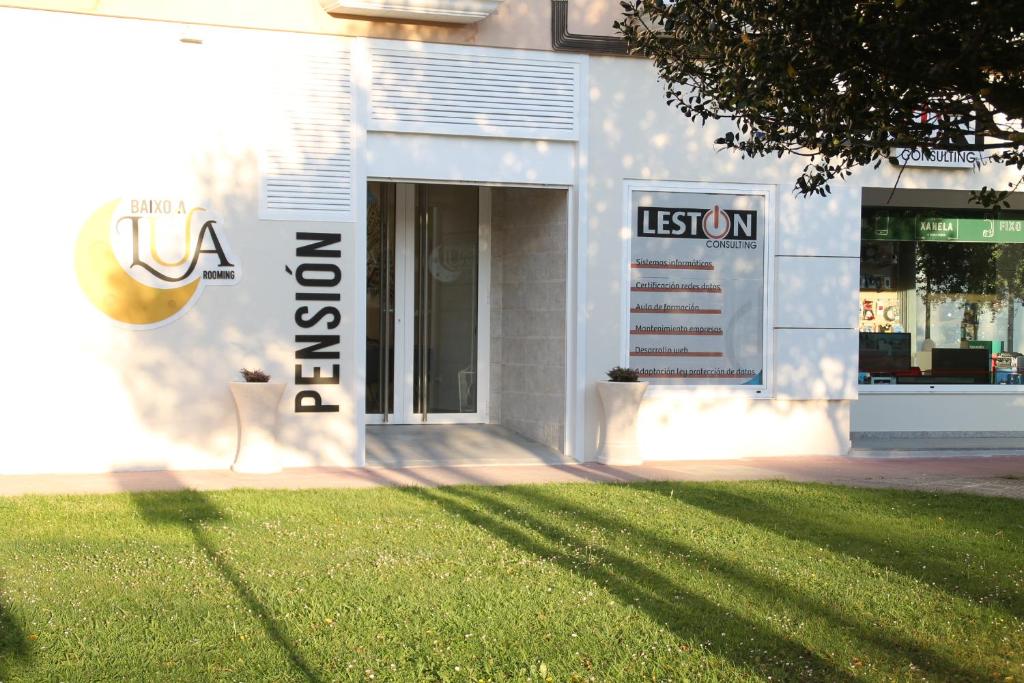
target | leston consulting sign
x=697, y=282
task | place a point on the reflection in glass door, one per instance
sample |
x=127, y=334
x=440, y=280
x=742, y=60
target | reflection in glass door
x=424, y=246
x=380, y=298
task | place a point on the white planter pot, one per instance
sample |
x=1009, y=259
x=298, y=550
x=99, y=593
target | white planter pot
x=256, y=403
x=620, y=403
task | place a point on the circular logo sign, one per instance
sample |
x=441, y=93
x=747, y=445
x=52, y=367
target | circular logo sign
x=144, y=263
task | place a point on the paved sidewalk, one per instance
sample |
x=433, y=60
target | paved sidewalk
x=997, y=476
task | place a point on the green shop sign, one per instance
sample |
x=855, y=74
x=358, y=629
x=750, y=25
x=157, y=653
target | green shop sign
x=929, y=227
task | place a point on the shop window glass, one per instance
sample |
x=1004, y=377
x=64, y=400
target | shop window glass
x=941, y=296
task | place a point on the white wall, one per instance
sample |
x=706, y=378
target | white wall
x=100, y=109
x=634, y=135
x=936, y=413
x=685, y=427
x=106, y=108
x=459, y=159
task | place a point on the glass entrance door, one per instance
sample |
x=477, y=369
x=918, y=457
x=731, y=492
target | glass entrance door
x=423, y=303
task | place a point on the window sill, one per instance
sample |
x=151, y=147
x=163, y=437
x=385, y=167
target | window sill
x=901, y=389
x=708, y=391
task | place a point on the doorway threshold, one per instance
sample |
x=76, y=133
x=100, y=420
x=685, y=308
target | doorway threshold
x=431, y=445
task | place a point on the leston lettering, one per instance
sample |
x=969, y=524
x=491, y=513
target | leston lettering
x=713, y=223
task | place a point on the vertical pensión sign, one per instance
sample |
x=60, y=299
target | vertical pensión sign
x=696, y=288
x=317, y=316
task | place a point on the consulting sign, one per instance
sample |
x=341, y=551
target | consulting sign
x=697, y=284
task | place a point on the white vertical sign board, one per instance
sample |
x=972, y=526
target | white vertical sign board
x=697, y=288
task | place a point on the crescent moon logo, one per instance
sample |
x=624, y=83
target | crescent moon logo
x=448, y=263
x=111, y=289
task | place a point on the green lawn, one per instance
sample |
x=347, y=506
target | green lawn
x=669, y=581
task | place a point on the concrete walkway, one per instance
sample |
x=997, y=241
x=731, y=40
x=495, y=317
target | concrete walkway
x=997, y=475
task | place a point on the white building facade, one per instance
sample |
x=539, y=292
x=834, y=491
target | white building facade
x=441, y=224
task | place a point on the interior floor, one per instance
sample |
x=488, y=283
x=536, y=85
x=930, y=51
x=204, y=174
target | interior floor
x=454, y=445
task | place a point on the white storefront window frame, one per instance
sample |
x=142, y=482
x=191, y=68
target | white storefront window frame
x=765, y=390
x=939, y=389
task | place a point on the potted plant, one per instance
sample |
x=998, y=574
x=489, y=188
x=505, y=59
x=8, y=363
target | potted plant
x=256, y=401
x=620, y=395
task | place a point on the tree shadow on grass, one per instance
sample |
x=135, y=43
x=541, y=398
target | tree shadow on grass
x=763, y=588
x=689, y=616
x=13, y=640
x=805, y=518
x=192, y=510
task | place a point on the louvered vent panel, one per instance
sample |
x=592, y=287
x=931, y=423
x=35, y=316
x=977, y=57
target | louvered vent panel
x=464, y=93
x=308, y=168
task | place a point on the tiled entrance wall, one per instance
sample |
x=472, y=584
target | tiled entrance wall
x=528, y=285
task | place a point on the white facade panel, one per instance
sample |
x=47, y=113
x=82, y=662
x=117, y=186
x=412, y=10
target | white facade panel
x=307, y=169
x=634, y=137
x=816, y=364
x=710, y=426
x=96, y=130
x=814, y=292
x=467, y=91
x=820, y=226
x=455, y=159
x=943, y=411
